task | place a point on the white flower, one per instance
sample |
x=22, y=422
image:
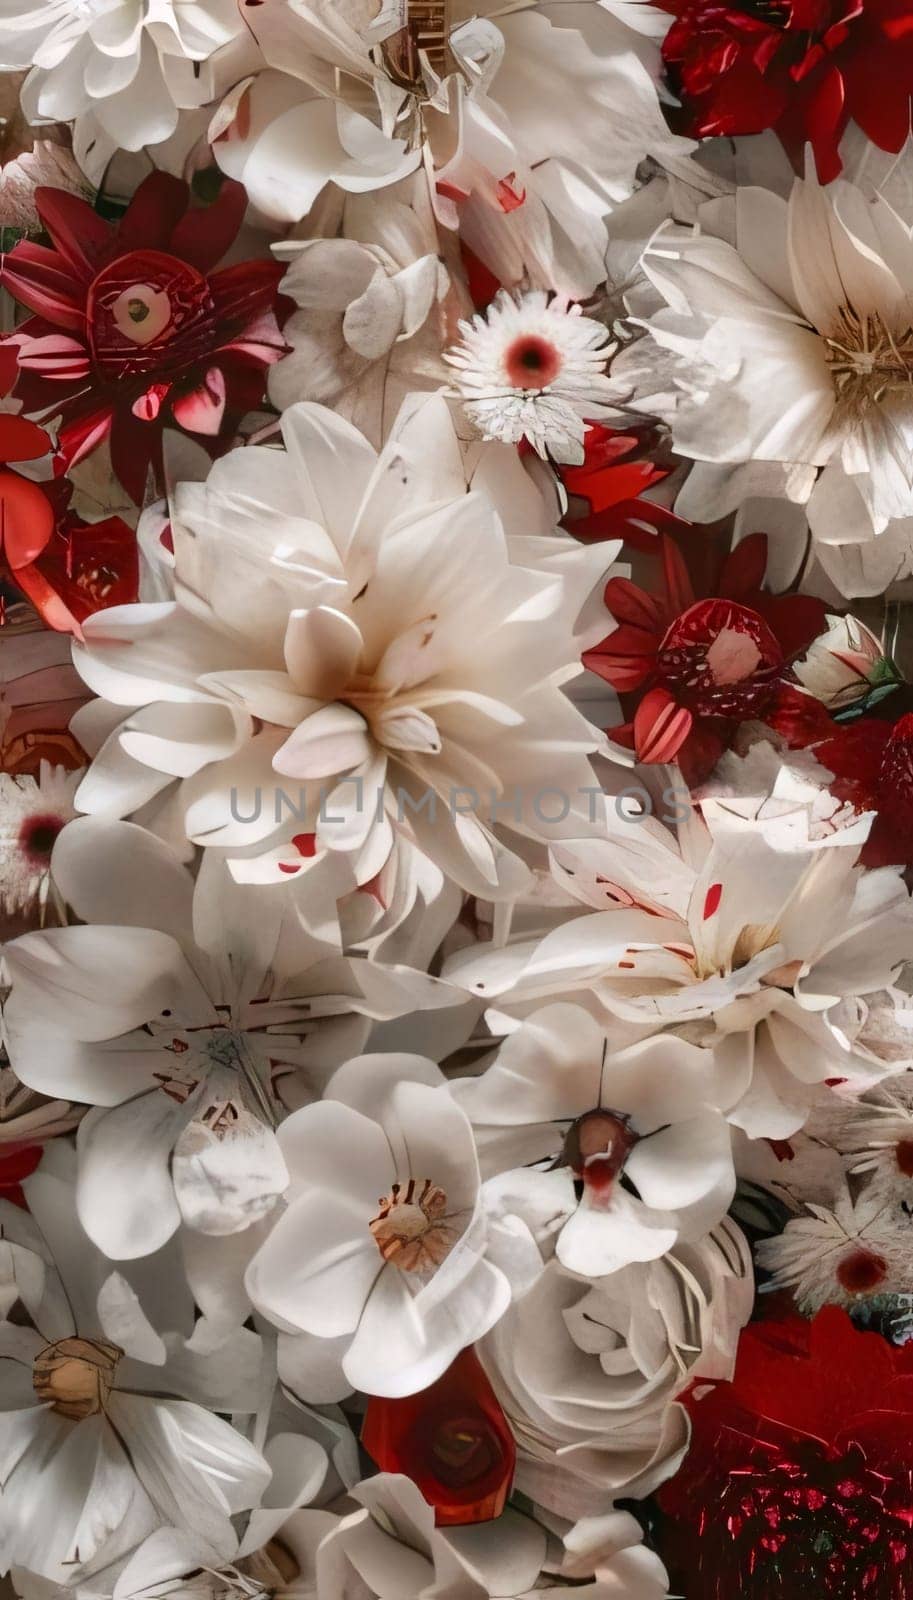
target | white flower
x=358, y=635
x=366, y=332
x=102, y=1413
x=845, y=1256
x=587, y=1373
x=32, y=815
x=121, y=59
x=635, y=1130
x=181, y=1013
x=778, y=930
x=533, y=368
x=783, y=360
x=526, y=179
x=846, y=665
x=382, y=1247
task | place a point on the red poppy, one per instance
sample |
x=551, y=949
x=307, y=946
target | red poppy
x=798, y=1478
x=806, y=68
x=695, y=666
x=134, y=331
x=452, y=1440
x=872, y=764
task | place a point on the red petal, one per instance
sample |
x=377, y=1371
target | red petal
x=79, y=438
x=744, y=569
x=9, y=364
x=628, y=602
x=37, y=278
x=81, y=236
x=206, y=233
x=52, y=610
x=624, y=659
x=56, y=357
x=22, y=440
x=26, y=519
x=679, y=590
x=661, y=727
x=153, y=213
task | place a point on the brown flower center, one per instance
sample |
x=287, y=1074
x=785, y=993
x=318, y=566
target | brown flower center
x=76, y=1375
x=867, y=359
x=411, y=1228
x=596, y=1148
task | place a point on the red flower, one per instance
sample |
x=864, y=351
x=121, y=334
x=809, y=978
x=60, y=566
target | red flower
x=133, y=329
x=798, y=1478
x=806, y=68
x=452, y=1440
x=18, y=1161
x=617, y=468
x=697, y=667
x=65, y=567
x=872, y=763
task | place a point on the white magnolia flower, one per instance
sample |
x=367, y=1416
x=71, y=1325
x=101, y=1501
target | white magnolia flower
x=109, y=1395
x=636, y=1131
x=181, y=1013
x=848, y=1255
x=382, y=1247
x=778, y=931
x=131, y=62
x=783, y=359
x=587, y=1373
x=367, y=329
x=356, y=636
x=534, y=369
x=846, y=665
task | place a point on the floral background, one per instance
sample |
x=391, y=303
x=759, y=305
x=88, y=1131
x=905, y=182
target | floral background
x=456, y=808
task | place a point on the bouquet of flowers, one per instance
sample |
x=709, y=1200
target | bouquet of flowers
x=456, y=815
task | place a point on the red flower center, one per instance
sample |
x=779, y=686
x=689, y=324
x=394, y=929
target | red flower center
x=720, y=659
x=861, y=1271
x=596, y=1148
x=532, y=362
x=895, y=778
x=37, y=837
x=149, y=314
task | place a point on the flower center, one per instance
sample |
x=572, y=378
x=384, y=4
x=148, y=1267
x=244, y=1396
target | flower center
x=721, y=659
x=596, y=1148
x=76, y=1375
x=867, y=359
x=531, y=362
x=861, y=1271
x=411, y=1228
x=149, y=315
x=38, y=835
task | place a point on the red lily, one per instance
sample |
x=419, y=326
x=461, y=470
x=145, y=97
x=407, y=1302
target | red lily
x=133, y=330
x=697, y=666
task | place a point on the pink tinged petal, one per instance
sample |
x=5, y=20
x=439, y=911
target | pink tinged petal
x=322, y=651
x=148, y=406
x=732, y=656
x=56, y=357
x=318, y=1265
x=335, y=739
x=202, y=410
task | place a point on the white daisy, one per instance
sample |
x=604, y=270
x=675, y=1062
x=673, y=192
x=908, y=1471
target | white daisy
x=533, y=369
x=32, y=813
x=845, y=1256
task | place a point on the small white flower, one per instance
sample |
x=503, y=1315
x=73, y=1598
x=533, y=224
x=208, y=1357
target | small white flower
x=846, y=665
x=533, y=369
x=32, y=813
x=839, y=1257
